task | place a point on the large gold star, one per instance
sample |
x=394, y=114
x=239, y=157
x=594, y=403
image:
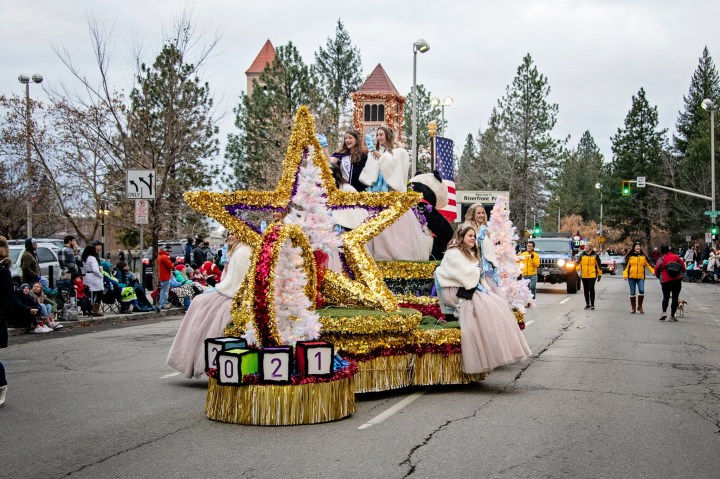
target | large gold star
x=366, y=288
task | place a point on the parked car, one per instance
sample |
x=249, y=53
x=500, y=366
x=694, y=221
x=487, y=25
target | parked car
x=176, y=249
x=54, y=241
x=47, y=256
x=607, y=264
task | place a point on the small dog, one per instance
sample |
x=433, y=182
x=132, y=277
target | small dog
x=681, y=308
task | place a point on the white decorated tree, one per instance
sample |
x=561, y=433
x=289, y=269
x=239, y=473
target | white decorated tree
x=505, y=236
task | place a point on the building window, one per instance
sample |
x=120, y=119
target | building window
x=381, y=112
x=373, y=113
x=367, y=113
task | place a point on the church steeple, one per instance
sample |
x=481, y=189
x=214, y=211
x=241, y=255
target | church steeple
x=378, y=103
x=263, y=59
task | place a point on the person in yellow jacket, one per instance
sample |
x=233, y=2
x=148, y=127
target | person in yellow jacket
x=529, y=260
x=589, y=270
x=634, y=273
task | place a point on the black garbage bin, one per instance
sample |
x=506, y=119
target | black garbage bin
x=147, y=275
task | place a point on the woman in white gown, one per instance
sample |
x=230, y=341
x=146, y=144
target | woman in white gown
x=490, y=335
x=208, y=314
x=387, y=170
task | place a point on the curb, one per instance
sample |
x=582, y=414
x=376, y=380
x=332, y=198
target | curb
x=84, y=321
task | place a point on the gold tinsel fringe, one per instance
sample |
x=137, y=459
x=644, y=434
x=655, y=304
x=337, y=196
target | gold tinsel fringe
x=384, y=373
x=407, y=269
x=434, y=368
x=402, y=321
x=280, y=405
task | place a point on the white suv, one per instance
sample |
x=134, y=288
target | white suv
x=47, y=256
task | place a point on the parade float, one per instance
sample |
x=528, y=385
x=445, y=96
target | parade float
x=304, y=338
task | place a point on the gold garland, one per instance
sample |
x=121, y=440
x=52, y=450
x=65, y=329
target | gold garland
x=367, y=343
x=289, y=405
x=418, y=300
x=407, y=269
x=334, y=321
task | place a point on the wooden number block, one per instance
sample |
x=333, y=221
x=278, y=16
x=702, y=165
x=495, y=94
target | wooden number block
x=233, y=364
x=215, y=345
x=276, y=364
x=314, y=358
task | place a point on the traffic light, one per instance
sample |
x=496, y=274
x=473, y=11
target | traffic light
x=626, y=188
x=714, y=229
x=537, y=230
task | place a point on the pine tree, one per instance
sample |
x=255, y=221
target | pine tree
x=468, y=172
x=692, y=144
x=264, y=120
x=172, y=131
x=494, y=170
x=426, y=113
x=339, y=70
x=526, y=120
x=637, y=151
x=579, y=171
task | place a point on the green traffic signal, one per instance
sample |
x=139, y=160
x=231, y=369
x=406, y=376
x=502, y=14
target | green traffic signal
x=537, y=230
x=626, y=188
x=713, y=229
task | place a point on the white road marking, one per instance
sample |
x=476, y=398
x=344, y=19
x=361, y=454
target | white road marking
x=170, y=375
x=528, y=323
x=389, y=412
x=564, y=300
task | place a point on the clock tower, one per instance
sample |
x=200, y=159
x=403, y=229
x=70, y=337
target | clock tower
x=378, y=103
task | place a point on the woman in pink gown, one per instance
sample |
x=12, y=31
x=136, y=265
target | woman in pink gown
x=490, y=335
x=208, y=314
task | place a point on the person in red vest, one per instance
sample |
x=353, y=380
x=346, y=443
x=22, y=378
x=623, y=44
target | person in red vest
x=670, y=269
x=165, y=268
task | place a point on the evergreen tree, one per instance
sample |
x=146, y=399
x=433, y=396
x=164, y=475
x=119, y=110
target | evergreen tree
x=637, y=149
x=264, y=120
x=339, y=70
x=574, y=189
x=526, y=120
x=692, y=144
x=468, y=171
x=172, y=132
x=494, y=170
x=426, y=113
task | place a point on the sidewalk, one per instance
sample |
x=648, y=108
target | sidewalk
x=84, y=321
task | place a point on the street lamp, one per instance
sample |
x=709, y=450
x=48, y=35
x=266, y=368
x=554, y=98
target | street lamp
x=419, y=46
x=25, y=80
x=104, y=211
x=708, y=104
x=447, y=101
x=598, y=186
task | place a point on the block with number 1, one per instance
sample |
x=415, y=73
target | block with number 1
x=314, y=358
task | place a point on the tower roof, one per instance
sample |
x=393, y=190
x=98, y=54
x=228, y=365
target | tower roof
x=378, y=82
x=263, y=59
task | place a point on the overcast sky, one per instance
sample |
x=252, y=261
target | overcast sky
x=595, y=54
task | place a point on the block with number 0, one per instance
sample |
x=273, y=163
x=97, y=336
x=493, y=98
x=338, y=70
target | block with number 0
x=314, y=358
x=276, y=364
x=215, y=345
x=233, y=364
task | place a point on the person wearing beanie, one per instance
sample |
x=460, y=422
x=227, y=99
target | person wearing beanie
x=670, y=269
x=634, y=274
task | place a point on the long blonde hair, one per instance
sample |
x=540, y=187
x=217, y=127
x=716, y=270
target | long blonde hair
x=389, y=139
x=471, y=213
x=473, y=253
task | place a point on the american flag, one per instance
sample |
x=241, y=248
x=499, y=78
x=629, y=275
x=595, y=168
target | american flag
x=445, y=166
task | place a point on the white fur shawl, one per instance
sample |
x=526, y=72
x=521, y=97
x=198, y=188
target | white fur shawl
x=235, y=271
x=456, y=270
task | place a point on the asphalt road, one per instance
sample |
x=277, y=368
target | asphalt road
x=607, y=394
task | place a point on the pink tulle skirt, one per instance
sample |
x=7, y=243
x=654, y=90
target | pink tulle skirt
x=206, y=318
x=490, y=335
x=403, y=240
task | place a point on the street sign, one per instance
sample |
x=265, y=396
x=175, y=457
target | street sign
x=140, y=184
x=601, y=239
x=142, y=212
x=708, y=237
x=688, y=238
x=641, y=182
x=712, y=213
